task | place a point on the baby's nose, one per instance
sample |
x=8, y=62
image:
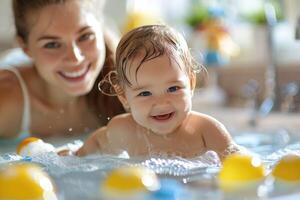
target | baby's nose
x=162, y=102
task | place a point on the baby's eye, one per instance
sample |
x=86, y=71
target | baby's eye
x=52, y=45
x=86, y=36
x=145, y=94
x=173, y=88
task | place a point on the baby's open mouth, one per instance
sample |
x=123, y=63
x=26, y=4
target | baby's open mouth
x=163, y=117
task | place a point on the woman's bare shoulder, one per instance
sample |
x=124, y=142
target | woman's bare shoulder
x=9, y=79
x=11, y=103
x=10, y=90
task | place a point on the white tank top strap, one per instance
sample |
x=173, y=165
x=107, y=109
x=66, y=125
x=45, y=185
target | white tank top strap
x=26, y=118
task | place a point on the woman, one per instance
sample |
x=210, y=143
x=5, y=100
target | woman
x=57, y=94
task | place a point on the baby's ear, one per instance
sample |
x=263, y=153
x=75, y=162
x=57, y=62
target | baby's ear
x=122, y=98
x=193, y=81
x=23, y=45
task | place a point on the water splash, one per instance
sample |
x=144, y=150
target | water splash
x=9, y=157
x=277, y=155
x=177, y=166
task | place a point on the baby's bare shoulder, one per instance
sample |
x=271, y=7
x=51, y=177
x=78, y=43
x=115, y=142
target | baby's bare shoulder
x=215, y=135
x=121, y=133
x=209, y=127
x=121, y=124
x=204, y=120
x=120, y=121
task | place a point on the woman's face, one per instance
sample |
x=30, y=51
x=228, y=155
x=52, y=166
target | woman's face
x=66, y=43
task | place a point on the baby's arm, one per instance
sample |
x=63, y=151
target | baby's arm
x=116, y=137
x=217, y=138
x=93, y=143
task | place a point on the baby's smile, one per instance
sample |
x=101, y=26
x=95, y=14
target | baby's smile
x=163, y=117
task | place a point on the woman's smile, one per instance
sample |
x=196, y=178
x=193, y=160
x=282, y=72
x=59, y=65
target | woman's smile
x=75, y=75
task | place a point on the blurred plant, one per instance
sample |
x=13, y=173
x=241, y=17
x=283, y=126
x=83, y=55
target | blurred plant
x=198, y=15
x=259, y=17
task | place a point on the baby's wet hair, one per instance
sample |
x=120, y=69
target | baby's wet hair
x=151, y=41
x=143, y=44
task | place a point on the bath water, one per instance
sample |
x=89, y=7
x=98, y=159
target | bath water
x=79, y=178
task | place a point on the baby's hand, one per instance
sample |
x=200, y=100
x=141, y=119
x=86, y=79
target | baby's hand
x=69, y=149
x=66, y=152
x=89, y=147
x=80, y=152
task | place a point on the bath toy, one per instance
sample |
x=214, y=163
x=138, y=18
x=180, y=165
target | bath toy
x=241, y=173
x=25, y=181
x=286, y=174
x=170, y=189
x=129, y=183
x=288, y=168
x=32, y=146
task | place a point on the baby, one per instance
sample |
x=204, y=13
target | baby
x=155, y=80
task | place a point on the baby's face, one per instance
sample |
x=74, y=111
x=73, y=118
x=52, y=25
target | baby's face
x=160, y=95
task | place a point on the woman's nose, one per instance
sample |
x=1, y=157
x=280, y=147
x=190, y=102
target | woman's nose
x=74, y=54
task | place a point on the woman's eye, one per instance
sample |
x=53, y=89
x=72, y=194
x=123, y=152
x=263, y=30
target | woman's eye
x=86, y=36
x=52, y=45
x=173, y=88
x=145, y=94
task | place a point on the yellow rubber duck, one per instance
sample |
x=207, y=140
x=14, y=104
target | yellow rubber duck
x=26, y=181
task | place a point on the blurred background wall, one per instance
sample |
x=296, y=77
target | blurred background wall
x=231, y=37
x=245, y=34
